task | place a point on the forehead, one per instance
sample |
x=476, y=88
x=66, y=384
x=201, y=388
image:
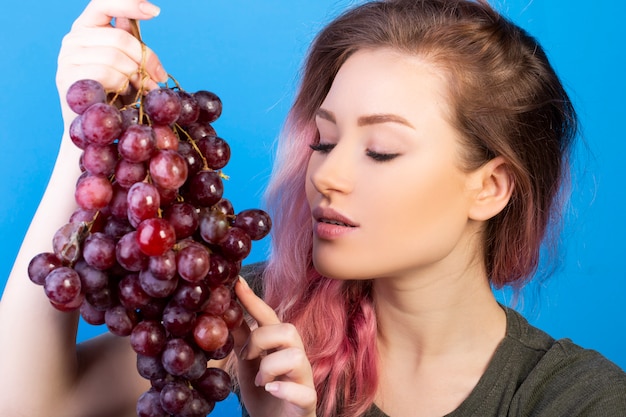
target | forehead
x=387, y=81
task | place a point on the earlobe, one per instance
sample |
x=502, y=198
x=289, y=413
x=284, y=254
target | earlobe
x=494, y=186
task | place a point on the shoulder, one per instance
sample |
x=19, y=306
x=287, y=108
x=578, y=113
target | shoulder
x=569, y=380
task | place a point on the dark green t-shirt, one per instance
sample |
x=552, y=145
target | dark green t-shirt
x=533, y=375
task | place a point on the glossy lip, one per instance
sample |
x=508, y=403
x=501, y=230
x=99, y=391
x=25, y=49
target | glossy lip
x=325, y=226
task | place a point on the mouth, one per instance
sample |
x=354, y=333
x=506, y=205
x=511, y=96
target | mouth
x=330, y=216
x=334, y=222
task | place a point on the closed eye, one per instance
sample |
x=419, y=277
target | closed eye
x=381, y=157
x=322, y=147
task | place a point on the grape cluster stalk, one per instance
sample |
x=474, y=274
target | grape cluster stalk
x=154, y=248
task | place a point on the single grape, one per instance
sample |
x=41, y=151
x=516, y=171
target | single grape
x=128, y=173
x=130, y=116
x=162, y=105
x=144, y=202
x=177, y=356
x=204, y=189
x=163, y=267
x=92, y=279
x=93, y=192
x=84, y=93
x=150, y=367
x=129, y=254
x=157, y=288
x=192, y=263
x=149, y=405
x=41, y=265
x=137, y=143
x=99, y=251
x=213, y=226
x=210, y=332
x=191, y=296
x=255, y=222
x=191, y=156
x=214, y=385
x=101, y=124
x=236, y=244
x=165, y=137
x=62, y=285
x=76, y=133
x=91, y=314
x=100, y=160
x=178, y=320
x=168, y=169
x=215, y=150
x=233, y=315
x=118, y=206
x=219, y=270
x=130, y=293
x=183, y=217
x=67, y=242
x=210, y=106
x=218, y=301
x=102, y=300
x=148, y=338
x=189, y=110
x=96, y=218
x=174, y=397
x=117, y=227
x=120, y=321
x=155, y=236
x=199, y=131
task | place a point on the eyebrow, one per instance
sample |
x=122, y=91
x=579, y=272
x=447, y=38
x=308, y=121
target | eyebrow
x=367, y=120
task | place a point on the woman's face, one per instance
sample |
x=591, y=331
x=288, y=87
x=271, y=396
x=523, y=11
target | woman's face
x=387, y=193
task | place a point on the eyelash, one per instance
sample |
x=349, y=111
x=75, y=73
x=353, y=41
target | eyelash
x=325, y=148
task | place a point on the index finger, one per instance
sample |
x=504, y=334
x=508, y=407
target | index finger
x=101, y=12
x=255, y=306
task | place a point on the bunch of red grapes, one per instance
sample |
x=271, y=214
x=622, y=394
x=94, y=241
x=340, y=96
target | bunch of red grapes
x=154, y=249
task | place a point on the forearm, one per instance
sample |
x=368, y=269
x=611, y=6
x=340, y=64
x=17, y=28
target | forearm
x=37, y=353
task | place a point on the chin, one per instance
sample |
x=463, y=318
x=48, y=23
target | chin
x=339, y=270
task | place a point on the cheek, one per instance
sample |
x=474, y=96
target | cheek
x=309, y=188
x=422, y=210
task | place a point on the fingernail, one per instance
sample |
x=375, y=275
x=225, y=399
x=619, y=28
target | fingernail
x=149, y=9
x=257, y=380
x=243, y=282
x=271, y=387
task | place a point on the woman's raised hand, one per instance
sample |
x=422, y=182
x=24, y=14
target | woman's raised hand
x=101, y=46
x=274, y=373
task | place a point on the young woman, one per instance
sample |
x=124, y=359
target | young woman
x=422, y=163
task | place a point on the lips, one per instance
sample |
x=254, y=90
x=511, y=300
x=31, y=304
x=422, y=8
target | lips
x=330, y=216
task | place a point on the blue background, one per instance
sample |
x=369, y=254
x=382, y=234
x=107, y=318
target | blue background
x=249, y=53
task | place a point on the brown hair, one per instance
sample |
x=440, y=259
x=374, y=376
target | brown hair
x=506, y=96
x=506, y=100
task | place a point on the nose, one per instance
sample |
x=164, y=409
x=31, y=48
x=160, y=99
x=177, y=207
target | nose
x=333, y=172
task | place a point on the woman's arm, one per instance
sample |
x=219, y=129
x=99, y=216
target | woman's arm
x=43, y=371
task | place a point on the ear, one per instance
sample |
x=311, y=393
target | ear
x=493, y=185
